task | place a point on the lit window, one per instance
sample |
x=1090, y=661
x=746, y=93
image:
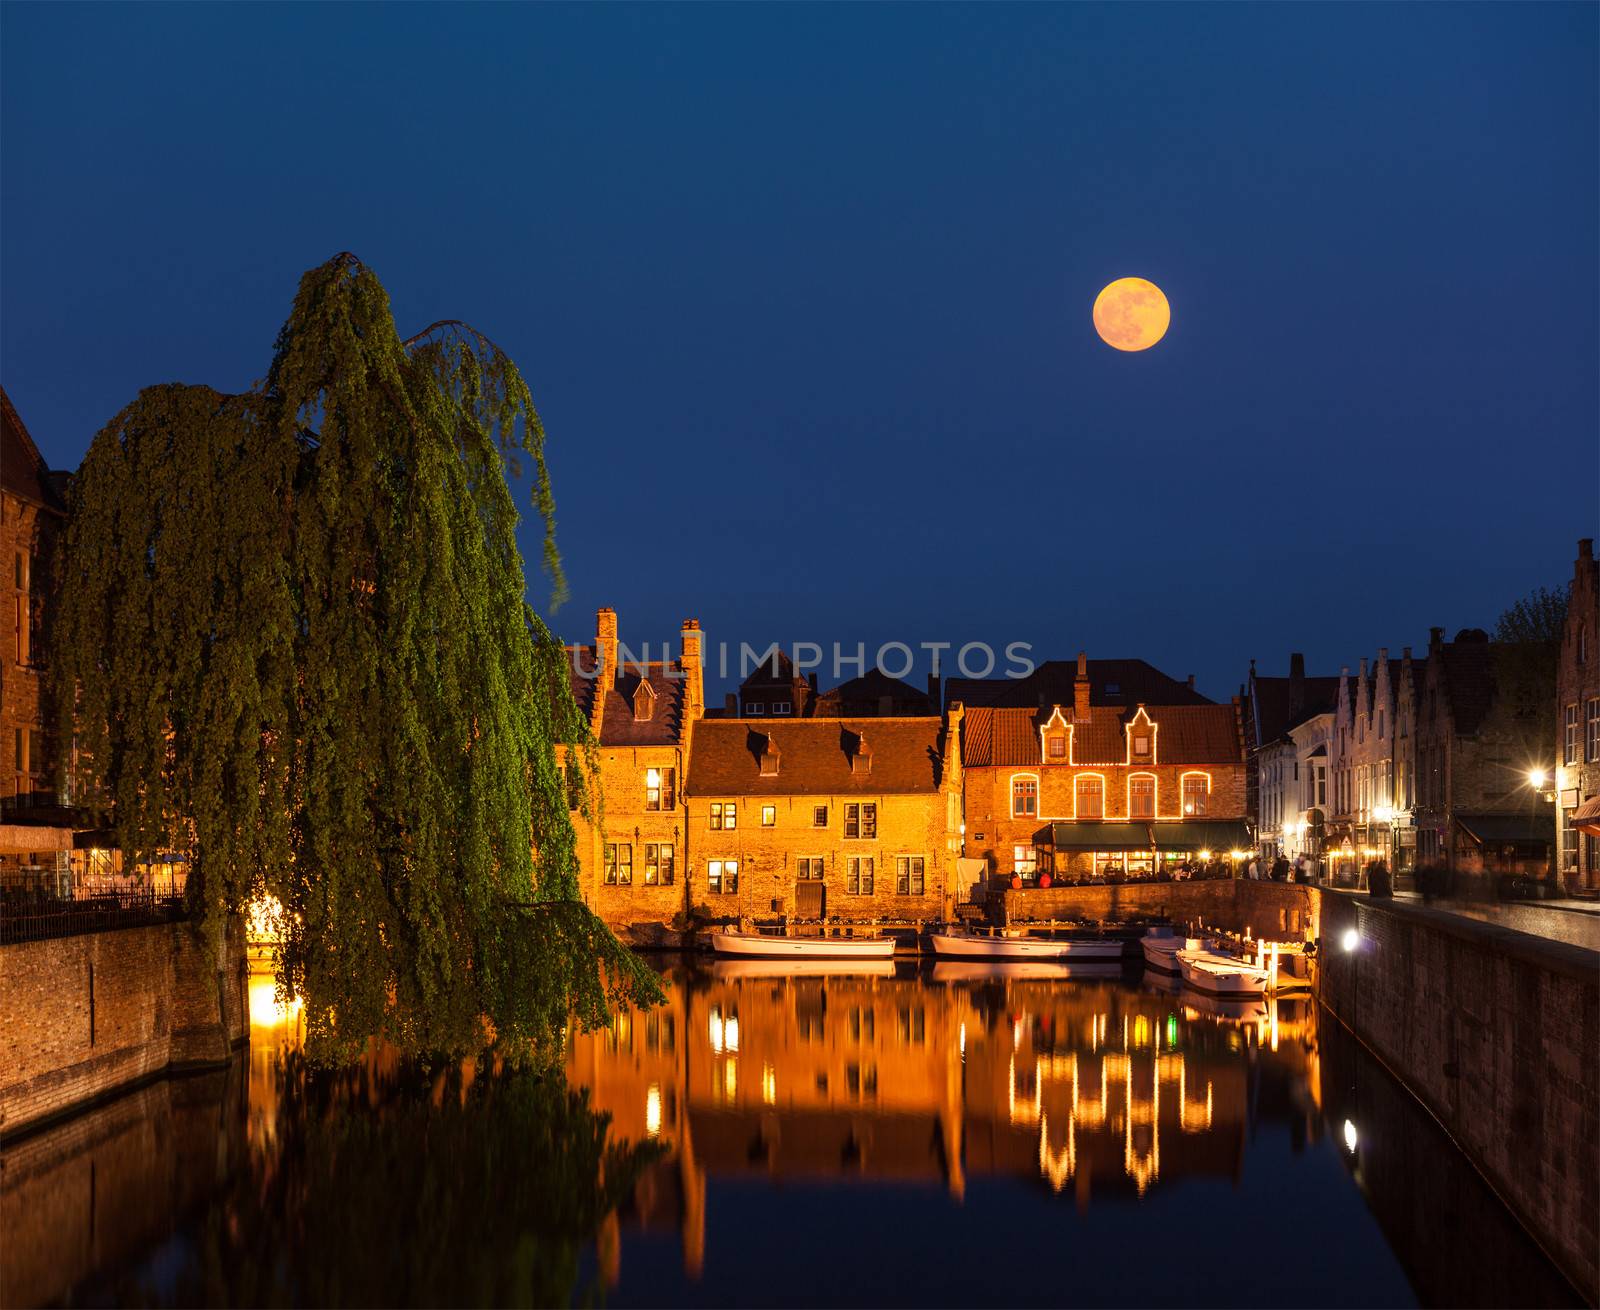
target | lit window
x=619, y=864
x=724, y=816
x=658, y=864
x=660, y=789
x=1090, y=789
x=1141, y=744
x=861, y=820
x=1024, y=859
x=1056, y=746
x=858, y=875
x=1141, y=796
x=722, y=876
x=769, y=815
x=1024, y=798
x=908, y=880
x=1196, y=793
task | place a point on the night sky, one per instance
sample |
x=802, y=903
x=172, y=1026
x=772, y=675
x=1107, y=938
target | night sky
x=803, y=293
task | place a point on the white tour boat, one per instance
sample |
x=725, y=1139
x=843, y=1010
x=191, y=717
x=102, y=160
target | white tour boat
x=1212, y=971
x=755, y=944
x=1161, y=945
x=978, y=946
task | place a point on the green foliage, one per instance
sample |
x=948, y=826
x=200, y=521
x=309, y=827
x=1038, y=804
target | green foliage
x=1537, y=618
x=1527, y=649
x=294, y=646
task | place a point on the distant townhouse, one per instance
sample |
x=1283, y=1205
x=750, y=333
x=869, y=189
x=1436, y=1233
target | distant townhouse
x=824, y=818
x=1362, y=759
x=36, y=827
x=1475, y=812
x=773, y=689
x=1109, y=768
x=633, y=857
x=1287, y=723
x=1577, y=774
x=876, y=694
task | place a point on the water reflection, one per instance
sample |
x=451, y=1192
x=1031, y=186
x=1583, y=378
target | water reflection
x=784, y=1134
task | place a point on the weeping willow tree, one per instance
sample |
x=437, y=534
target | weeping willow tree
x=294, y=647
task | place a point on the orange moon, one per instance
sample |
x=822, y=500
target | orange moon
x=1131, y=314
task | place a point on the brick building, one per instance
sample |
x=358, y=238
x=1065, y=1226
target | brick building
x=1475, y=812
x=819, y=817
x=35, y=827
x=1577, y=776
x=1367, y=727
x=1100, y=781
x=643, y=715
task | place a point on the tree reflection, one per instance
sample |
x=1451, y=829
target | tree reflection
x=405, y=1186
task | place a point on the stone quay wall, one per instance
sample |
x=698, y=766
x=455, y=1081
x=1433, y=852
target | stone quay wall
x=1498, y=1034
x=86, y=1016
x=1271, y=910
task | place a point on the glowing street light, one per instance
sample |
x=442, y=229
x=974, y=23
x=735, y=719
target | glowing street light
x=1350, y=940
x=1537, y=778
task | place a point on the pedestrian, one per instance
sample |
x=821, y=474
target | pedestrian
x=1255, y=870
x=1300, y=867
x=1378, y=880
x=1280, y=869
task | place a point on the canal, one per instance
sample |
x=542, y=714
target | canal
x=944, y=1135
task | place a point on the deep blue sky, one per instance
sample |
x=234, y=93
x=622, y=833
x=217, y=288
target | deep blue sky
x=803, y=293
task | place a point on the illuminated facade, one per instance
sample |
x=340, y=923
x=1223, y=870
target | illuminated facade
x=1577, y=756
x=1097, y=785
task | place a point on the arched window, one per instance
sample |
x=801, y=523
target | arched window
x=1196, y=793
x=1089, y=794
x=1142, y=796
x=1024, y=796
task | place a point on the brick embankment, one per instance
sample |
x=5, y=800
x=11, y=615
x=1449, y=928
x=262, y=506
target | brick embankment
x=1498, y=1034
x=86, y=1016
x=1275, y=911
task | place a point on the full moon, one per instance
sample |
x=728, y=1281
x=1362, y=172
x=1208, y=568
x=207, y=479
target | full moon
x=1131, y=314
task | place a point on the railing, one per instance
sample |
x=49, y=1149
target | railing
x=39, y=902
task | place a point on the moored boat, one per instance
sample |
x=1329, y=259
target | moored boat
x=1161, y=945
x=1221, y=975
x=759, y=945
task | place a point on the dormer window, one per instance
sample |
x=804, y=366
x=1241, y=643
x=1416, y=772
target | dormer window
x=1056, y=746
x=644, y=702
x=769, y=759
x=861, y=760
x=1141, y=738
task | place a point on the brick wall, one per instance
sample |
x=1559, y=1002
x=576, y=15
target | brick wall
x=1577, y=684
x=1498, y=1034
x=81, y=1017
x=1275, y=911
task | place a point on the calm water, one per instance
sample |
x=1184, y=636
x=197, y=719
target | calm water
x=933, y=1136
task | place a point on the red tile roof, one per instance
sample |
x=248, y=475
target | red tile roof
x=814, y=757
x=1186, y=734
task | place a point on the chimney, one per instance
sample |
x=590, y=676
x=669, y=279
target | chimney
x=1435, y=639
x=694, y=687
x=1297, y=666
x=885, y=706
x=730, y=705
x=1585, y=547
x=933, y=690
x=605, y=640
x=1191, y=682
x=1080, y=688
x=1583, y=571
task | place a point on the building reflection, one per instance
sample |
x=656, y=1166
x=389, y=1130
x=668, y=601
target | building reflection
x=1093, y=1088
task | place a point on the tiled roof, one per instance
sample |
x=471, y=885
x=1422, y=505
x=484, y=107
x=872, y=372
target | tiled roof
x=22, y=468
x=1123, y=683
x=1186, y=734
x=620, y=727
x=814, y=756
x=1274, y=716
x=865, y=694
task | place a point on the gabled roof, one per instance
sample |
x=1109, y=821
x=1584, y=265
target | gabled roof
x=1122, y=683
x=816, y=755
x=620, y=728
x=865, y=694
x=1185, y=734
x=1466, y=675
x=23, y=471
x=1274, y=699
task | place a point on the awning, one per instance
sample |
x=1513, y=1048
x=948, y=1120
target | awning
x=1503, y=829
x=1087, y=835
x=1586, y=818
x=1203, y=835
